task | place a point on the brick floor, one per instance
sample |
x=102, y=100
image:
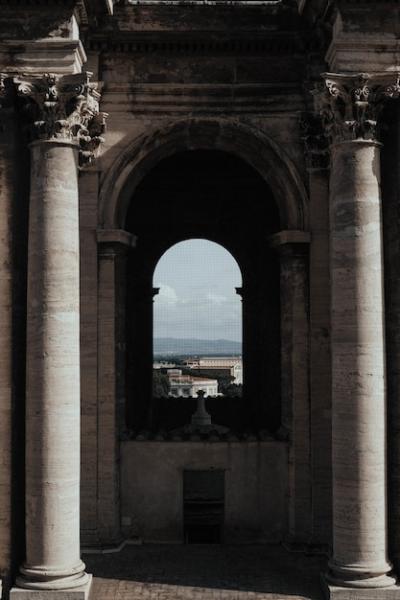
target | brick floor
x=205, y=573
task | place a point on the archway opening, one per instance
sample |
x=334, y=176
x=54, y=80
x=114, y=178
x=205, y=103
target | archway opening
x=214, y=196
x=197, y=325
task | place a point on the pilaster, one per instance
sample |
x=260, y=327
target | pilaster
x=11, y=331
x=318, y=166
x=293, y=248
x=113, y=246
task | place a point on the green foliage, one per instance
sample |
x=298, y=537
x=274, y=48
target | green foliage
x=233, y=390
x=161, y=385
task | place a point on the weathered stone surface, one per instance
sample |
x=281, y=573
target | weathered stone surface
x=200, y=77
x=253, y=510
x=80, y=593
x=63, y=108
x=53, y=372
x=358, y=369
x=7, y=192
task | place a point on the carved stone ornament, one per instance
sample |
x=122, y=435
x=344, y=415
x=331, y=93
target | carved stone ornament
x=350, y=105
x=5, y=95
x=315, y=143
x=65, y=108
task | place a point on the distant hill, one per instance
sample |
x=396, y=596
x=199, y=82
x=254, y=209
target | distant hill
x=189, y=346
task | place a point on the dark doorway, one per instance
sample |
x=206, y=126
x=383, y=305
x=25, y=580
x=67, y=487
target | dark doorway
x=203, y=506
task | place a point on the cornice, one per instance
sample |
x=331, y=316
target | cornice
x=98, y=6
x=63, y=56
x=182, y=15
x=198, y=43
x=160, y=99
x=36, y=3
x=364, y=53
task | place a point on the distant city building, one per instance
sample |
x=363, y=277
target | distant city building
x=224, y=366
x=163, y=364
x=187, y=385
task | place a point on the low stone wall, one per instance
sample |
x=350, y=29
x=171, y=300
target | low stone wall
x=255, y=488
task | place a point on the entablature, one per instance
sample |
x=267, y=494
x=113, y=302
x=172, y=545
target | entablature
x=191, y=17
x=356, y=35
x=204, y=43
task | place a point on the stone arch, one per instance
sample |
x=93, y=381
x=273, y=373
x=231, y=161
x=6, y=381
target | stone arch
x=242, y=140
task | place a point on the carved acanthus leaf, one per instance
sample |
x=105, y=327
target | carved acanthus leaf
x=63, y=107
x=350, y=105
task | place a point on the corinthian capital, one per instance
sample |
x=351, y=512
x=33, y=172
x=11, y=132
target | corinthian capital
x=64, y=108
x=350, y=105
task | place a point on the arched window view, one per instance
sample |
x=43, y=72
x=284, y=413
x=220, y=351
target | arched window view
x=203, y=299
x=197, y=327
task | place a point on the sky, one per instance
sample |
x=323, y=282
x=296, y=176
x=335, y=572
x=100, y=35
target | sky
x=197, y=297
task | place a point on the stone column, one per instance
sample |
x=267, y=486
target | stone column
x=293, y=248
x=350, y=107
x=112, y=248
x=64, y=117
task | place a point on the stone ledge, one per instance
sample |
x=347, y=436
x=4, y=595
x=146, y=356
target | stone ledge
x=115, y=236
x=290, y=236
x=79, y=593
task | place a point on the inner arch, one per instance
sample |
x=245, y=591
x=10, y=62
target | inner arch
x=212, y=195
x=143, y=154
x=197, y=299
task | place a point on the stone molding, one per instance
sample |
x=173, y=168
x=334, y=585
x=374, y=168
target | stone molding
x=198, y=43
x=115, y=237
x=35, y=57
x=60, y=108
x=367, y=52
x=6, y=92
x=290, y=244
x=289, y=236
x=350, y=104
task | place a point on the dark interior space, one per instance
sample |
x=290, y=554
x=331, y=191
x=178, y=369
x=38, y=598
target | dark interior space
x=203, y=506
x=215, y=196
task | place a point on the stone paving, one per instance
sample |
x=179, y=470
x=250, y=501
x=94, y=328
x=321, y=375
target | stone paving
x=205, y=572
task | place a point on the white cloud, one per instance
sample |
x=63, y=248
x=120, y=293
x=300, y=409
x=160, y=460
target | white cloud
x=216, y=298
x=167, y=295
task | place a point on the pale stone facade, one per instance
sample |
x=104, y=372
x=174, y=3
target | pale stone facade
x=280, y=120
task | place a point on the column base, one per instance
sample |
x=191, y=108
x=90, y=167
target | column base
x=335, y=592
x=78, y=593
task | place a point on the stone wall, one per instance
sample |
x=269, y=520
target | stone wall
x=255, y=488
x=171, y=84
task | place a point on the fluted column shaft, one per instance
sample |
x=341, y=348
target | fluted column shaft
x=358, y=345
